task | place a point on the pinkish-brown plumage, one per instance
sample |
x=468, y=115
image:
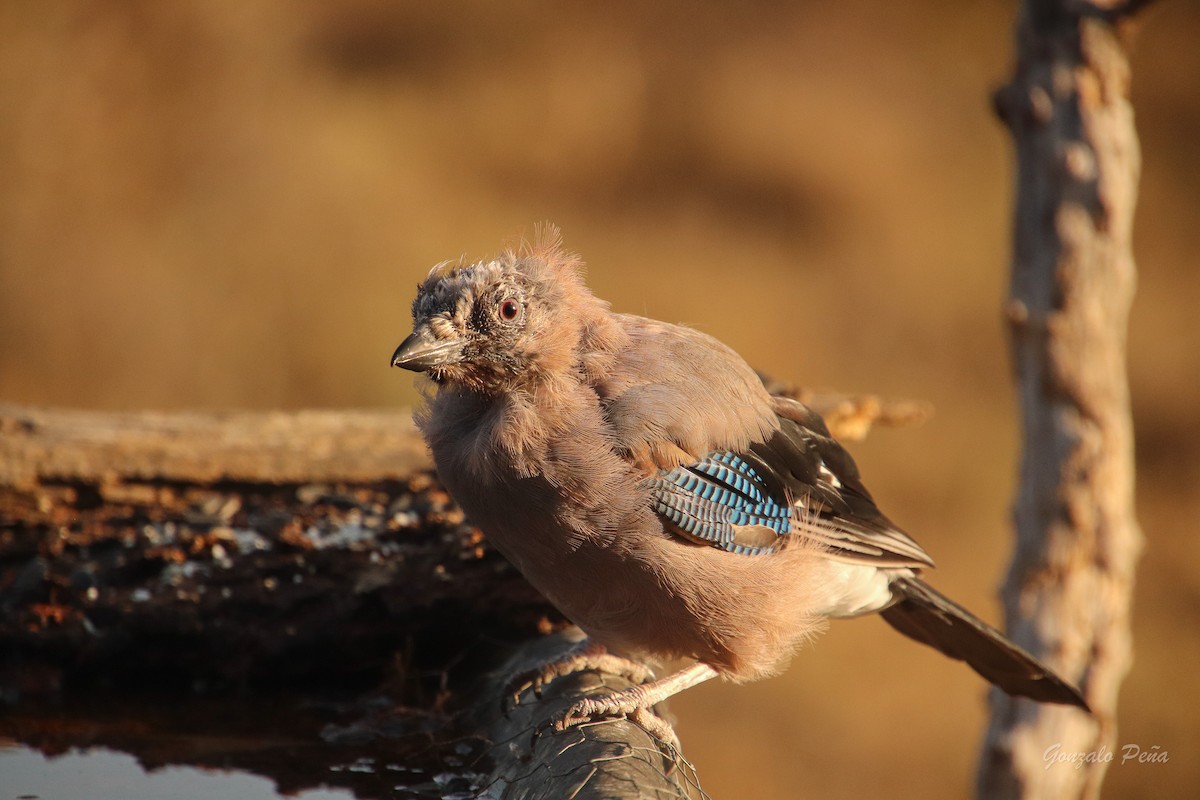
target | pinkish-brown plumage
x=548, y=457
x=640, y=476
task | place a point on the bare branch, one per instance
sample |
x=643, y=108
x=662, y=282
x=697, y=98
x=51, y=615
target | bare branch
x=1068, y=592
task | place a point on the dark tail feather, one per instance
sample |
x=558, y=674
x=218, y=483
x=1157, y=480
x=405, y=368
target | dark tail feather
x=933, y=619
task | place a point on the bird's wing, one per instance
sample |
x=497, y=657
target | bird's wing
x=800, y=482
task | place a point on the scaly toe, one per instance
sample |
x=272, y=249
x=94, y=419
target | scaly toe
x=590, y=656
x=657, y=727
x=583, y=711
x=620, y=704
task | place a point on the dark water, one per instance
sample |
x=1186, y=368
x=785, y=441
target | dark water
x=249, y=748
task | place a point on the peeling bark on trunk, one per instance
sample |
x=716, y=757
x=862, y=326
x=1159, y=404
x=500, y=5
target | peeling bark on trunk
x=1068, y=591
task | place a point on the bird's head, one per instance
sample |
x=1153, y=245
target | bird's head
x=493, y=325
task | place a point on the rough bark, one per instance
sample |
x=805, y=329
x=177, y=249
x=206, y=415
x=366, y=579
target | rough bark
x=1068, y=591
x=233, y=549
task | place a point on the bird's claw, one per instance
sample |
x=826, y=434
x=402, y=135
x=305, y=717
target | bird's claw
x=534, y=680
x=619, y=704
x=589, y=656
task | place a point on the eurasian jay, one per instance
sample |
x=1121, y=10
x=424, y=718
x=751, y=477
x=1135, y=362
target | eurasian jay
x=641, y=476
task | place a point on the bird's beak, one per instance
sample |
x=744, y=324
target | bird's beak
x=421, y=351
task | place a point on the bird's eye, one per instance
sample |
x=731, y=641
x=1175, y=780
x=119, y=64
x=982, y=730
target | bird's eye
x=508, y=310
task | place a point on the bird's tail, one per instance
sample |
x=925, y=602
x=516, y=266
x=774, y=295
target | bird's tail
x=933, y=619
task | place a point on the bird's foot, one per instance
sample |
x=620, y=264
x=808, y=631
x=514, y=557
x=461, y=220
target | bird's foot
x=635, y=703
x=587, y=655
x=629, y=704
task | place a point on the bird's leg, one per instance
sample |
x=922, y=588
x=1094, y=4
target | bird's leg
x=586, y=655
x=636, y=703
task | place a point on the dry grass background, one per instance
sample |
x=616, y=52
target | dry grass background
x=227, y=204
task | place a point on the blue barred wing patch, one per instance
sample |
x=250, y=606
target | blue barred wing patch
x=721, y=500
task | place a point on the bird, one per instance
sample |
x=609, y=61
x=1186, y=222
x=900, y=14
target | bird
x=641, y=476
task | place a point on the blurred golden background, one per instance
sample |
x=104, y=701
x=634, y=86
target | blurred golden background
x=228, y=204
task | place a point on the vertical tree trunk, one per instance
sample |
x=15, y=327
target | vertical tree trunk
x=1068, y=591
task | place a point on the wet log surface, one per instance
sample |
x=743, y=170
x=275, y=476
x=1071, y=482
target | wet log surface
x=142, y=571
x=284, y=593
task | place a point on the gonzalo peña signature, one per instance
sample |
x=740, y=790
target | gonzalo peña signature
x=1054, y=754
